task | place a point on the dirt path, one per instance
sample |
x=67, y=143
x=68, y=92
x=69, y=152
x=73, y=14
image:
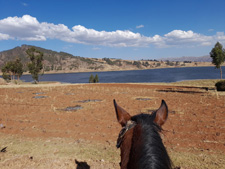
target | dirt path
x=85, y=113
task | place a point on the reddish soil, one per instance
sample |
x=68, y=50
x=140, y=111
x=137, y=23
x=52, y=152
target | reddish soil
x=196, y=116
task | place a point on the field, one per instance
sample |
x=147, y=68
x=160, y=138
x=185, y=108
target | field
x=52, y=125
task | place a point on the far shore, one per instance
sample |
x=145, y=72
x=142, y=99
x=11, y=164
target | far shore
x=115, y=70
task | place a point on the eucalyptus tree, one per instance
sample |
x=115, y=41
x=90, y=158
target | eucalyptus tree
x=218, y=56
x=36, y=63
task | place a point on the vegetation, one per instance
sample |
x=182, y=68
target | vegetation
x=111, y=62
x=87, y=60
x=169, y=63
x=218, y=56
x=146, y=64
x=96, y=80
x=36, y=65
x=137, y=63
x=12, y=69
x=220, y=85
x=108, y=61
x=93, y=79
x=158, y=64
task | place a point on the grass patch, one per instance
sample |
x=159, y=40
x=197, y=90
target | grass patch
x=198, y=83
x=200, y=160
x=57, y=148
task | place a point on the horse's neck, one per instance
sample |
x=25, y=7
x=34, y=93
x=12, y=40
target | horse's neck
x=145, y=151
x=154, y=154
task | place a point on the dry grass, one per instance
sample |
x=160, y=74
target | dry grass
x=40, y=153
x=61, y=153
x=197, y=160
x=198, y=83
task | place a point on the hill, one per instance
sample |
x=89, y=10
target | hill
x=53, y=61
x=61, y=62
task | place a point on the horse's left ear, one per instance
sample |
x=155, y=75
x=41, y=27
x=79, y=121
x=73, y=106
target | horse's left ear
x=161, y=114
x=122, y=115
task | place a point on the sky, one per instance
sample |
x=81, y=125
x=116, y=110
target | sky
x=125, y=29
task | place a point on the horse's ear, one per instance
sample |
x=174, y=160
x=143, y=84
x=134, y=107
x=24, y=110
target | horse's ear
x=121, y=114
x=161, y=114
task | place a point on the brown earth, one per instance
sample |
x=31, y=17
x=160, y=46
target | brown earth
x=44, y=116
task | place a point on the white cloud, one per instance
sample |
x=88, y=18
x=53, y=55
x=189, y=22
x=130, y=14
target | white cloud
x=179, y=37
x=4, y=36
x=140, y=26
x=28, y=28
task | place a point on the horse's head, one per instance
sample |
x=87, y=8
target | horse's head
x=139, y=140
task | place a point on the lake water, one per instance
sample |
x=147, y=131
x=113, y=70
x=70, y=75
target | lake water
x=135, y=76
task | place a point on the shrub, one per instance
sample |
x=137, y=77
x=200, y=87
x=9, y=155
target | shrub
x=220, y=85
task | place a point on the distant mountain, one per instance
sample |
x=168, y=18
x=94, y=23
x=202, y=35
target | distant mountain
x=206, y=58
x=65, y=62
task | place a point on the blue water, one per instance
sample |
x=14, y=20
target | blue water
x=135, y=76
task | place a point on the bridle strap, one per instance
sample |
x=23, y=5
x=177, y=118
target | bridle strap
x=130, y=124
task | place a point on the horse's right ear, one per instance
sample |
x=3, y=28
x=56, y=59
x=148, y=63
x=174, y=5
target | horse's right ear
x=121, y=114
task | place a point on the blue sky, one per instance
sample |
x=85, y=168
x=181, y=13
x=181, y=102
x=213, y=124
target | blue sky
x=126, y=29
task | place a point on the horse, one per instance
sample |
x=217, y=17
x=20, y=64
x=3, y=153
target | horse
x=140, y=144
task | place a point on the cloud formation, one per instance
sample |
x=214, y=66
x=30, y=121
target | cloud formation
x=28, y=28
x=140, y=26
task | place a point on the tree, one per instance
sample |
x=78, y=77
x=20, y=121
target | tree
x=6, y=70
x=218, y=56
x=96, y=80
x=36, y=65
x=91, y=79
x=6, y=74
x=12, y=69
x=18, y=67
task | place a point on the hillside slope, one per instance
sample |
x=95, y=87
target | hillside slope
x=60, y=62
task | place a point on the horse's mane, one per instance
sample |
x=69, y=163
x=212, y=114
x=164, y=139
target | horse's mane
x=153, y=153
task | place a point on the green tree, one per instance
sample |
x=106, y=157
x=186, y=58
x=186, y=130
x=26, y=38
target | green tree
x=6, y=73
x=36, y=64
x=12, y=69
x=91, y=79
x=218, y=56
x=96, y=79
x=18, y=68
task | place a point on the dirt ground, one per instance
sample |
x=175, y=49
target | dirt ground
x=49, y=126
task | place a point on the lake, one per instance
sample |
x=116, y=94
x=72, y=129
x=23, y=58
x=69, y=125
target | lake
x=136, y=76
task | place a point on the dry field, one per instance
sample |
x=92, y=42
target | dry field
x=51, y=125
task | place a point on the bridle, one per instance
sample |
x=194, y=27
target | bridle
x=130, y=124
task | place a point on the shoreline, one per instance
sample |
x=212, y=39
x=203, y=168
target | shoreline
x=113, y=70
x=192, y=83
